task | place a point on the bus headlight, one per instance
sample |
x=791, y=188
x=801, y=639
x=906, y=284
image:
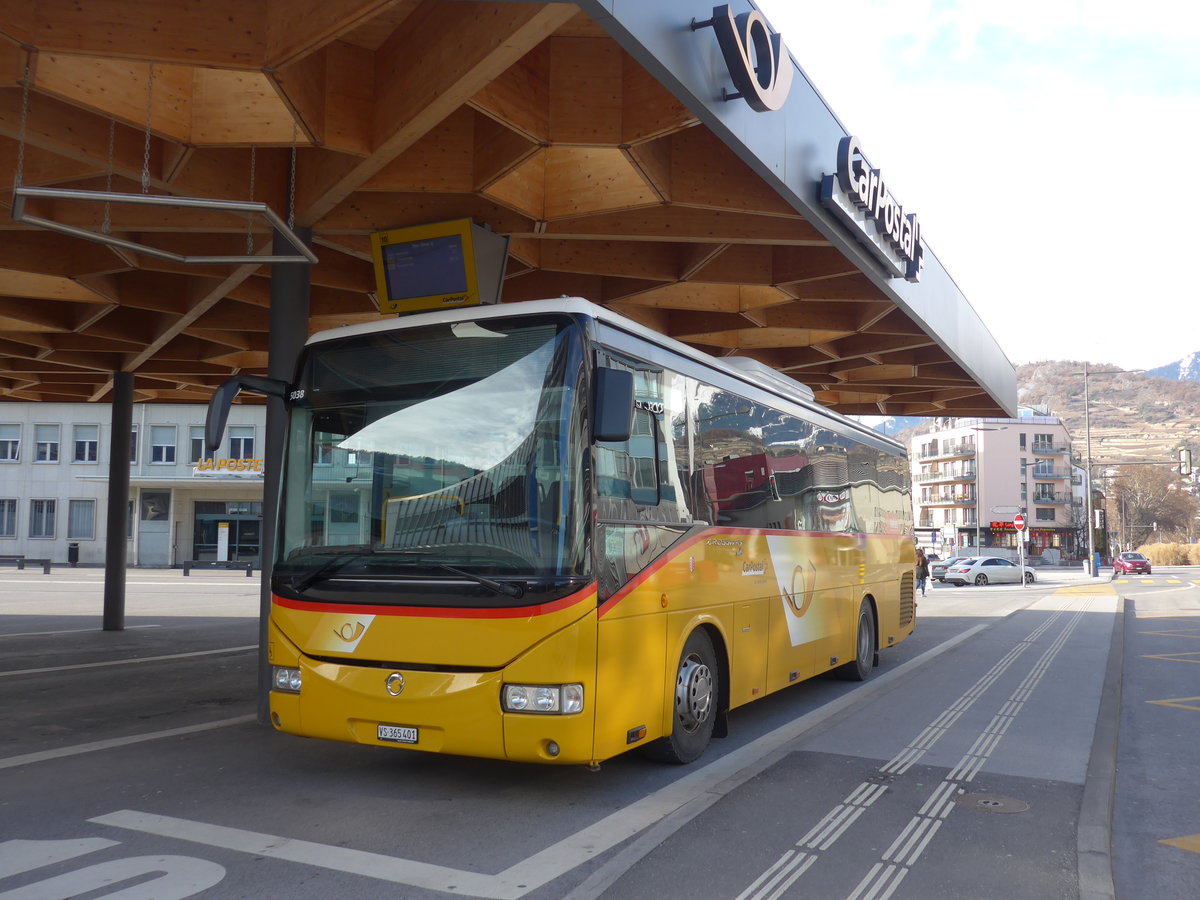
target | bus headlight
x=547, y=699
x=285, y=679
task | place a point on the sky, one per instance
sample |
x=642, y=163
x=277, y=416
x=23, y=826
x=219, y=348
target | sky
x=1049, y=148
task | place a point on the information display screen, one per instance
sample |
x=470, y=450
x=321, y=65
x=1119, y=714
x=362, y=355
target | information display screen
x=425, y=268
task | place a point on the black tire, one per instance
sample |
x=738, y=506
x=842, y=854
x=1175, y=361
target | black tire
x=865, y=649
x=696, y=698
x=1030, y=578
x=981, y=579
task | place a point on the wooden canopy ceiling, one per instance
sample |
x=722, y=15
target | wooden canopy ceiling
x=526, y=117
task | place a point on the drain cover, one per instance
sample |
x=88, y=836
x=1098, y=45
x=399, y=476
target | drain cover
x=992, y=803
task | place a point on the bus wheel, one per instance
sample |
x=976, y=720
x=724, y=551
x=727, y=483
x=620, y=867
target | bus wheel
x=696, y=699
x=859, y=669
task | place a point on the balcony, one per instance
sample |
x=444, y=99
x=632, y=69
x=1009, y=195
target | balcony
x=932, y=477
x=1043, y=473
x=948, y=500
x=1056, y=497
x=1050, y=448
x=949, y=451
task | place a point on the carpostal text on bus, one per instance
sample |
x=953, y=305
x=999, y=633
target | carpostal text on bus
x=859, y=197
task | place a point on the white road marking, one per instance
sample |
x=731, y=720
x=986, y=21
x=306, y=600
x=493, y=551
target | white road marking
x=130, y=661
x=682, y=800
x=68, y=631
x=882, y=880
x=18, y=857
x=78, y=749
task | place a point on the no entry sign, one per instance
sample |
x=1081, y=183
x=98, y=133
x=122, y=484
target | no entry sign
x=1019, y=522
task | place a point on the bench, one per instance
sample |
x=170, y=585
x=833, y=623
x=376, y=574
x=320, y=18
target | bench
x=21, y=561
x=217, y=564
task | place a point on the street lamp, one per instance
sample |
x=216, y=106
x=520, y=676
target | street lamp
x=1089, y=525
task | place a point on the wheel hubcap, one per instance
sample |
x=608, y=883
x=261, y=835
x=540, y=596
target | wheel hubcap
x=693, y=694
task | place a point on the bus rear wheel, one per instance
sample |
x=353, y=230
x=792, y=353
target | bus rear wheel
x=697, y=689
x=865, y=649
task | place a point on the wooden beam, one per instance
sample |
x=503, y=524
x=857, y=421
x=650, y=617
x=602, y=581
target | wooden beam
x=55, y=254
x=673, y=223
x=582, y=180
x=586, y=91
x=705, y=173
x=442, y=161
x=297, y=28
x=444, y=55
x=648, y=110
x=631, y=259
x=233, y=109
x=519, y=97
x=121, y=88
x=80, y=135
x=368, y=212
x=222, y=33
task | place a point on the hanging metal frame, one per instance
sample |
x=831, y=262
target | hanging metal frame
x=248, y=208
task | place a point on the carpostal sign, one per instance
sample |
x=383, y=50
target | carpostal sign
x=858, y=196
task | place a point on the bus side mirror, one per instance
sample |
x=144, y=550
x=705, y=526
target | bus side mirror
x=613, y=420
x=222, y=399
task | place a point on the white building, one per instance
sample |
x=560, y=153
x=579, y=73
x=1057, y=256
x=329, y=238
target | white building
x=971, y=476
x=54, y=483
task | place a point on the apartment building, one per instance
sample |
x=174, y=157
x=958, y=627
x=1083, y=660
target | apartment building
x=971, y=476
x=183, y=504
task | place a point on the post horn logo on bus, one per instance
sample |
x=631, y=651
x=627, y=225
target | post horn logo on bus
x=757, y=60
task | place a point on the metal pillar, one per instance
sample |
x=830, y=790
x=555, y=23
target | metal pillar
x=290, y=290
x=115, y=550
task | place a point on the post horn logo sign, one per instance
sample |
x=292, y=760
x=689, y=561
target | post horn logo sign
x=757, y=60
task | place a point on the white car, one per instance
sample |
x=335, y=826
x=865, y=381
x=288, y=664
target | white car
x=987, y=570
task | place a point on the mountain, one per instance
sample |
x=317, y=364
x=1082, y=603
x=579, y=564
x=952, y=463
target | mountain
x=1186, y=369
x=890, y=425
x=1133, y=416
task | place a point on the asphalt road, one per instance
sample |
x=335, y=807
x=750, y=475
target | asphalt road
x=991, y=755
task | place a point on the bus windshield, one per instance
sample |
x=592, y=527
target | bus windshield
x=448, y=448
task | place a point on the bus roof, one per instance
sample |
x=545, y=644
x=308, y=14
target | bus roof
x=743, y=369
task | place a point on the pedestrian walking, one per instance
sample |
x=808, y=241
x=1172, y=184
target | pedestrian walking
x=922, y=571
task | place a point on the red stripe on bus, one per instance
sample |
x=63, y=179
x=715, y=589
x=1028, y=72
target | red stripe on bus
x=438, y=612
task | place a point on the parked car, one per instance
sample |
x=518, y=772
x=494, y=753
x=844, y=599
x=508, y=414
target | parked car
x=938, y=569
x=988, y=570
x=1129, y=563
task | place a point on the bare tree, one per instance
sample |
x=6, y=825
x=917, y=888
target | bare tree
x=1149, y=503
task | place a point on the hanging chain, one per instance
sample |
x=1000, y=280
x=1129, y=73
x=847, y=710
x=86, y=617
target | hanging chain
x=106, y=227
x=146, y=148
x=24, y=121
x=292, y=181
x=249, y=216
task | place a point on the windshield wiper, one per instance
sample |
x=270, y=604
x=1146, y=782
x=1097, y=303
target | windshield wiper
x=500, y=587
x=331, y=565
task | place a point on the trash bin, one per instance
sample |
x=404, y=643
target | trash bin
x=73, y=554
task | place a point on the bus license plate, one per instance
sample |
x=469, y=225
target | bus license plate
x=400, y=734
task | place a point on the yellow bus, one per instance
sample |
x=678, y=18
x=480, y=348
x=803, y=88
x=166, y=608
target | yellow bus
x=543, y=532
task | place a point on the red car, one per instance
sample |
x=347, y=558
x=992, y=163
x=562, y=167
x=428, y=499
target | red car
x=1131, y=563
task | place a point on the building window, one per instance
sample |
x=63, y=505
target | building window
x=1024, y=492
x=1045, y=515
x=133, y=448
x=162, y=444
x=195, y=444
x=41, y=518
x=1043, y=493
x=241, y=442
x=1022, y=442
x=8, y=518
x=46, y=440
x=81, y=520
x=10, y=443
x=1024, y=465
x=87, y=443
